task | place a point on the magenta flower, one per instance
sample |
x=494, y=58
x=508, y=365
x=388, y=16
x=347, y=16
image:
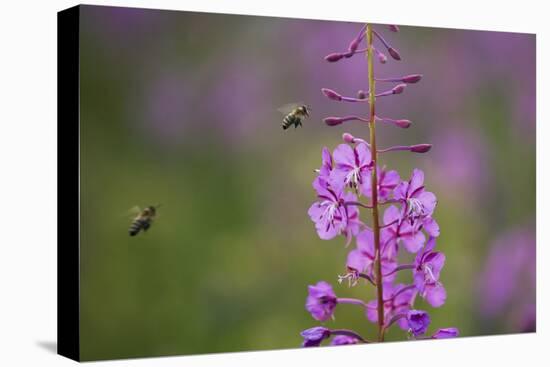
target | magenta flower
x=313, y=337
x=398, y=299
x=387, y=182
x=352, y=166
x=419, y=203
x=344, y=340
x=400, y=231
x=329, y=214
x=418, y=322
x=321, y=301
x=361, y=259
x=428, y=265
x=445, y=333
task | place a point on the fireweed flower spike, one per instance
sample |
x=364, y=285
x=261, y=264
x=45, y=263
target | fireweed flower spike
x=353, y=170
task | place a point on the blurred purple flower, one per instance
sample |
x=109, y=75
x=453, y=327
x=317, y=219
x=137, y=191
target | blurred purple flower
x=235, y=99
x=507, y=280
x=461, y=163
x=167, y=102
x=321, y=301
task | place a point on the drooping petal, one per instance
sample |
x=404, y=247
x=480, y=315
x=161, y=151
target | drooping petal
x=428, y=201
x=435, y=294
x=431, y=227
x=436, y=260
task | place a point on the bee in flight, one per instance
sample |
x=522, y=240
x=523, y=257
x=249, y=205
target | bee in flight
x=143, y=220
x=294, y=114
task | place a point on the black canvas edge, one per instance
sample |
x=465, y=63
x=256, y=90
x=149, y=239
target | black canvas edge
x=68, y=184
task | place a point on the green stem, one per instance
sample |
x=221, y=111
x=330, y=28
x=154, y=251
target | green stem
x=374, y=186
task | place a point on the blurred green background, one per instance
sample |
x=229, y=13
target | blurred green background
x=180, y=108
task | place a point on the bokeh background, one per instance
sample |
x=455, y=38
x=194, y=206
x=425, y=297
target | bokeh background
x=180, y=108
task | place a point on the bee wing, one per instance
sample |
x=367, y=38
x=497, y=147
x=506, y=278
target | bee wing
x=289, y=107
x=133, y=211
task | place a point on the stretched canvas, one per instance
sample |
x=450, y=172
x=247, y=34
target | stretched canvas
x=239, y=183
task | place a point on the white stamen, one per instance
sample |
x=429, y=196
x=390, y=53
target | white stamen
x=352, y=178
x=351, y=277
x=415, y=208
x=428, y=272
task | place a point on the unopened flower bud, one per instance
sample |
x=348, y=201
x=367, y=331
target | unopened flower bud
x=333, y=121
x=399, y=88
x=354, y=45
x=393, y=53
x=348, y=138
x=421, y=148
x=412, y=78
x=334, y=57
x=393, y=28
x=381, y=57
x=331, y=94
x=403, y=123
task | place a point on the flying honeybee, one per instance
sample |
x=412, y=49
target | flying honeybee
x=143, y=220
x=294, y=114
